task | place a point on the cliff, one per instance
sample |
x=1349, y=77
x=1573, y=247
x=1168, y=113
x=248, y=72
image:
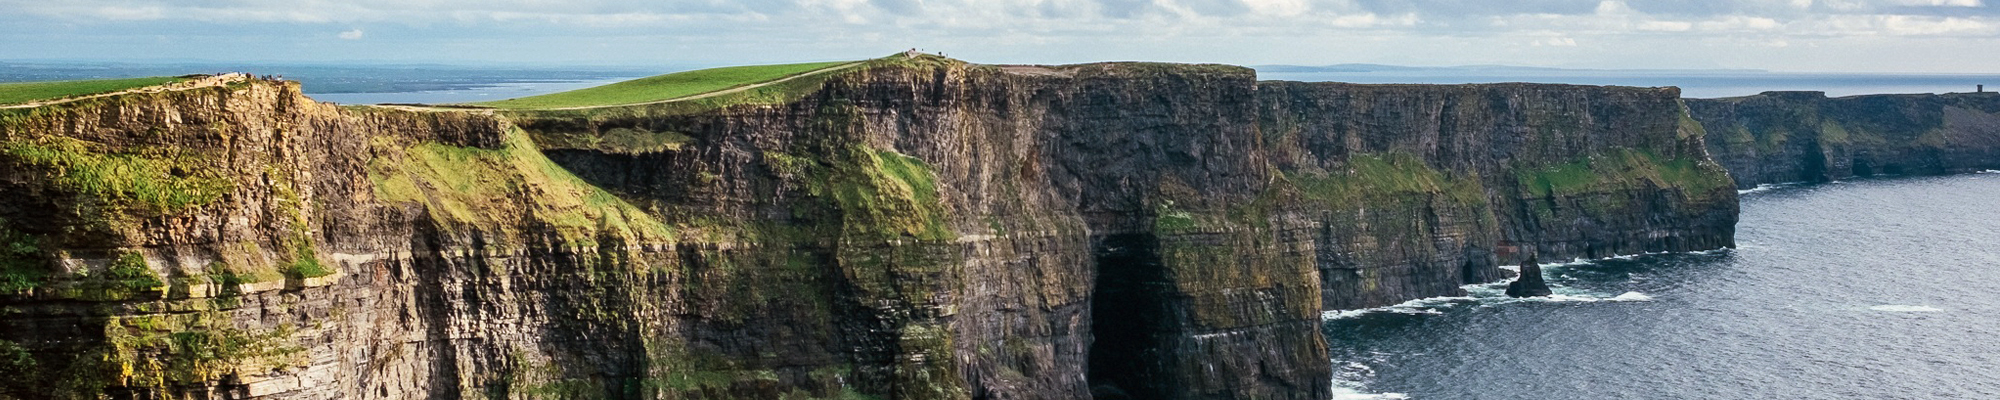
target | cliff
x=1783, y=137
x=913, y=229
x=1423, y=188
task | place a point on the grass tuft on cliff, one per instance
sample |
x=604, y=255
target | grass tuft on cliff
x=882, y=194
x=24, y=92
x=1391, y=174
x=498, y=188
x=21, y=266
x=166, y=179
x=1626, y=167
x=664, y=87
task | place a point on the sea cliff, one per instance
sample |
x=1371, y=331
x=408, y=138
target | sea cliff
x=1787, y=137
x=913, y=229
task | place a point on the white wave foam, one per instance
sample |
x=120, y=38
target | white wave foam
x=1350, y=383
x=1905, y=308
x=1423, y=306
x=1345, y=393
x=1764, y=188
x=1485, y=295
x=1577, y=298
x=1579, y=261
x=1632, y=296
x=1494, y=293
x=1350, y=379
x=1990, y=171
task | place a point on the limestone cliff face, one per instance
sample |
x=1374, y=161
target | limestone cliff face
x=1096, y=217
x=1422, y=188
x=915, y=229
x=1783, y=137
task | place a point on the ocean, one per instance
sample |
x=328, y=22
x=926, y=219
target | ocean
x=1867, y=289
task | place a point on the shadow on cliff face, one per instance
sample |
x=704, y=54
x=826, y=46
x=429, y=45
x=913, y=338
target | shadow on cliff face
x=1108, y=392
x=1127, y=313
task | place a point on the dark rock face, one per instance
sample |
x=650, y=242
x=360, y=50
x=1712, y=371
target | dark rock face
x=1783, y=137
x=919, y=230
x=1530, y=283
x=1415, y=187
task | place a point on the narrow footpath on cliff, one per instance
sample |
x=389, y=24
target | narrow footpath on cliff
x=734, y=90
x=203, y=82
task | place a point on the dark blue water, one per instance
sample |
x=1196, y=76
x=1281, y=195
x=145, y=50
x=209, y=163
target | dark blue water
x=1875, y=289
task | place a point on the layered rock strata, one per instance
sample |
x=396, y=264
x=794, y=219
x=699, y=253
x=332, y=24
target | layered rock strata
x=912, y=229
x=1417, y=188
x=1786, y=137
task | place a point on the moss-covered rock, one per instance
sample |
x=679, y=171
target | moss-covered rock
x=1784, y=137
x=912, y=228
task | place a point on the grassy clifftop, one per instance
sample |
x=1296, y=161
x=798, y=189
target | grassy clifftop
x=664, y=87
x=17, y=93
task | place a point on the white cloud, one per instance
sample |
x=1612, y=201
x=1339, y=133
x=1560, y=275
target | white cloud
x=1278, y=7
x=129, y=13
x=1556, y=42
x=352, y=34
x=1940, y=3
x=1739, y=23
x=1666, y=26
x=1614, y=7
x=1370, y=20
x=1909, y=25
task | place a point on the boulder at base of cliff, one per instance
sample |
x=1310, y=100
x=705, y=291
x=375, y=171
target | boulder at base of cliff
x=1530, y=284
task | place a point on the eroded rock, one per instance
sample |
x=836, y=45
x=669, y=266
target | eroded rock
x=1530, y=283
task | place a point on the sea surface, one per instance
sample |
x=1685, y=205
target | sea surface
x=1868, y=289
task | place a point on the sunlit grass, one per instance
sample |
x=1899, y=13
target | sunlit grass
x=24, y=92
x=663, y=87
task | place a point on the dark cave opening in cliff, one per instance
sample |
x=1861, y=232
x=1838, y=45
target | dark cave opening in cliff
x=1129, y=314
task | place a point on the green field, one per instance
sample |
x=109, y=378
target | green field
x=16, y=93
x=663, y=87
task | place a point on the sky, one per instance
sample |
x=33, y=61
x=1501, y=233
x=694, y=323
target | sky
x=1920, y=36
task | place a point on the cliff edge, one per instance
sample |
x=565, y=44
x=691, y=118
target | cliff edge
x=913, y=228
x=1786, y=137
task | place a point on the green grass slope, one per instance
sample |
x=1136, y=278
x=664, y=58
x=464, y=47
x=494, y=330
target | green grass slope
x=24, y=92
x=663, y=87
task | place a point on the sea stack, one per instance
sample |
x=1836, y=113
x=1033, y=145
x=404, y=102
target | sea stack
x=1530, y=284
